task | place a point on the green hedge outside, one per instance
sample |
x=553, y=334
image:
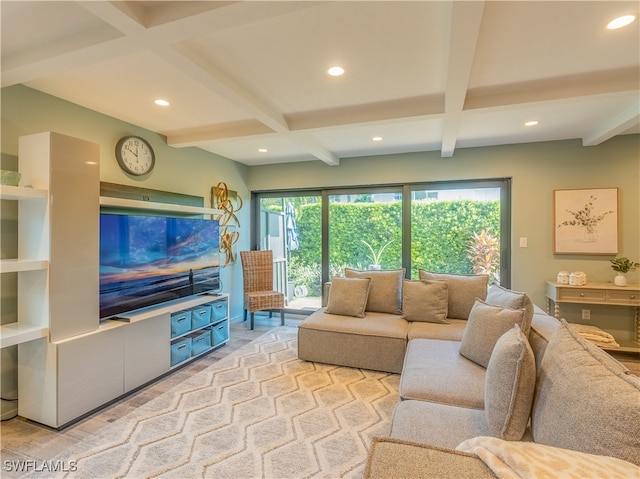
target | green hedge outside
x=441, y=233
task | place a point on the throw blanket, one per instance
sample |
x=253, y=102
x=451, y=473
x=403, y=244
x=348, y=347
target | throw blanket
x=529, y=460
x=594, y=334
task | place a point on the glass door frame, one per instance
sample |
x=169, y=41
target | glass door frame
x=504, y=184
x=405, y=189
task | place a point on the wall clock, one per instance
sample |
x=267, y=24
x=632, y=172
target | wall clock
x=135, y=155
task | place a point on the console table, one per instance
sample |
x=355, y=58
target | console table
x=598, y=293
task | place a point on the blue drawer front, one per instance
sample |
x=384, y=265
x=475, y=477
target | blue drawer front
x=200, y=317
x=180, y=323
x=200, y=342
x=220, y=333
x=219, y=310
x=180, y=351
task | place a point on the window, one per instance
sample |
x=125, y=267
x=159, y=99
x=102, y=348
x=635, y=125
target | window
x=455, y=227
x=365, y=230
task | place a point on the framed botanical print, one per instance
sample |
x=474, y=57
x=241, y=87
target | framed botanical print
x=585, y=221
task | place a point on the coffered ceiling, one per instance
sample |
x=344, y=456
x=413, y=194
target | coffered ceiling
x=242, y=77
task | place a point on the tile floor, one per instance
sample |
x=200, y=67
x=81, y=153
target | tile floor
x=24, y=440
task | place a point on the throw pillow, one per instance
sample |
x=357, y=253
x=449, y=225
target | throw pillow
x=425, y=301
x=348, y=296
x=507, y=298
x=385, y=295
x=586, y=401
x=463, y=290
x=509, y=385
x=485, y=326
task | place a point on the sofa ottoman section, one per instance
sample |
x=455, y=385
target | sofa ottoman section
x=377, y=341
x=435, y=371
x=394, y=458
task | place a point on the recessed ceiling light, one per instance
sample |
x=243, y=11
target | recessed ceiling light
x=621, y=22
x=335, y=71
x=262, y=150
x=531, y=123
x=377, y=138
x=161, y=102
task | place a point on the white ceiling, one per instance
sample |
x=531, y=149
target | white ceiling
x=424, y=75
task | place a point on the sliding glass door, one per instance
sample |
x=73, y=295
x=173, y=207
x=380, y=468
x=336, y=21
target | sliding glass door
x=458, y=229
x=454, y=227
x=290, y=226
x=365, y=229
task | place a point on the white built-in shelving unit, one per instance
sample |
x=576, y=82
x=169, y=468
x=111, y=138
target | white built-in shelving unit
x=31, y=265
x=69, y=362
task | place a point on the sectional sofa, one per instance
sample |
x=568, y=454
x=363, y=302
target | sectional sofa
x=488, y=380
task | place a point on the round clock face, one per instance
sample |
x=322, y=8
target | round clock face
x=135, y=155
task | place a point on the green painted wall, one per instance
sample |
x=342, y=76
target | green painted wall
x=182, y=170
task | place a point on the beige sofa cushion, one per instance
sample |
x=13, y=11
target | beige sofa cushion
x=509, y=385
x=585, y=400
x=425, y=301
x=452, y=331
x=430, y=367
x=385, y=294
x=485, y=326
x=440, y=425
x=507, y=298
x=348, y=296
x=543, y=327
x=463, y=290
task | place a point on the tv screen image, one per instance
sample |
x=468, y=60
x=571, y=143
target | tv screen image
x=146, y=260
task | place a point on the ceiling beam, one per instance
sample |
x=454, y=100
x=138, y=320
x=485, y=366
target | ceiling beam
x=466, y=18
x=316, y=149
x=613, y=126
x=214, y=78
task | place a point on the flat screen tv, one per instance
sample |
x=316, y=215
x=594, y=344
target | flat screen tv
x=146, y=260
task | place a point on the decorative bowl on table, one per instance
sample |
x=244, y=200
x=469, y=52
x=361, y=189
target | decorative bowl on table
x=9, y=177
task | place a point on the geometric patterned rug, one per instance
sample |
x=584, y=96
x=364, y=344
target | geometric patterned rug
x=258, y=413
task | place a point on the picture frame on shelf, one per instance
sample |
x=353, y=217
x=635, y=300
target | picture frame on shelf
x=585, y=221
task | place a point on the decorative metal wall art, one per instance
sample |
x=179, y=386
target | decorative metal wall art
x=228, y=202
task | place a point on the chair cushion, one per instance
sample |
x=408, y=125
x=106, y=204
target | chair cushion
x=425, y=301
x=585, y=400
x=509, y=385
x=463, y=290
x=348, y=296
x=261, y=300
x=385, y=294
x=485, y=325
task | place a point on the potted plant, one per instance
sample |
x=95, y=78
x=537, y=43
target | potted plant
x=376, y=255
x=621, y=266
